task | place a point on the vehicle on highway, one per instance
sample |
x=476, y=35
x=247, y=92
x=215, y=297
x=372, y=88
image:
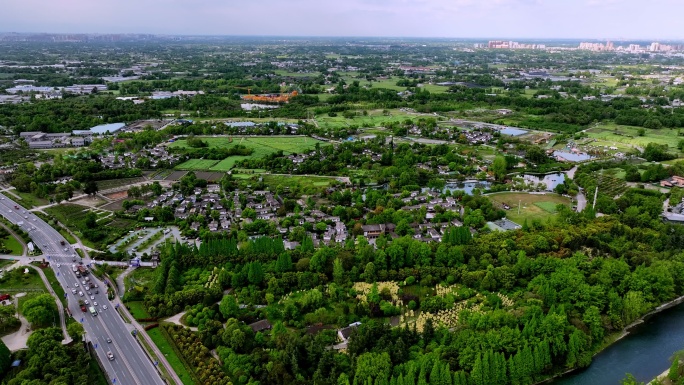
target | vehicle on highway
x=84, y=283
x=76, y=284
x=104, y=307
x=92, y=310
x=58, y=265
x=110, y=355
x=92, y=297
x=87, y=302
x=95, y=303
x=73, y=291
x=109, y=340
x=80, y=293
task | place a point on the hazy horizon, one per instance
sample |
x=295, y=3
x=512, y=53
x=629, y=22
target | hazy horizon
x=457, y=19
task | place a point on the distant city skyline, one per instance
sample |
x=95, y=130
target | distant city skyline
x=521, y=19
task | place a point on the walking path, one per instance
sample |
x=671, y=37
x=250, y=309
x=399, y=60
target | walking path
x=17, y=340
x=176, y=320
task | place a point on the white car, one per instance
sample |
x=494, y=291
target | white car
x=76, y=284
x=58, y=265
x=92, y=297
x=87, y=302
x=83, y=282
x=95, y=303
x=104, y=307
x=73, y=291
x=110, y=356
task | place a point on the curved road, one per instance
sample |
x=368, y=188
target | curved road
x=130, y=365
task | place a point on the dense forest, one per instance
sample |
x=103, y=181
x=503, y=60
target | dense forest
x=511, y=308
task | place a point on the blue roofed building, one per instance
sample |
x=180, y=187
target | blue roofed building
x=107, y=128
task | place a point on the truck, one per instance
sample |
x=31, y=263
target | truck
x=92, y=310
x=83, y=270
x=82, y=305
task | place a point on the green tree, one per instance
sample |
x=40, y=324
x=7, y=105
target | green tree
x=5, y=357
x=91, y=188
x=499, y=167
x=75, y=330
x=40, y=311
x=229, y=307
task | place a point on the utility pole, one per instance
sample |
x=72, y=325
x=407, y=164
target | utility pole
x=519, y=206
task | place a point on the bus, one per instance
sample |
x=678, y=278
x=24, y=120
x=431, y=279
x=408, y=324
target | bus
x=92, y=311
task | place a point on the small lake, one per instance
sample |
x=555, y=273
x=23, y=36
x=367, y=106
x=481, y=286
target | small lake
x=550, y=180
x=513, y=131
x=572, y=156
x=644, y=353
x=467, y=186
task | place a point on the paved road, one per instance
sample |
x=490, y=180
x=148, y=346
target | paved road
x=131, y=365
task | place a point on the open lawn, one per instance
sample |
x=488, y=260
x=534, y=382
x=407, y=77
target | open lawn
x=16, y=281
x=626, y=137
x=13, y=244
x=167, y=350
x=137, y=309
x=29, y=200
x=532, y=206
x=196, y=164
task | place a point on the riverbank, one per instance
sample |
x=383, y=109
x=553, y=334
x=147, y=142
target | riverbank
x=610, y=341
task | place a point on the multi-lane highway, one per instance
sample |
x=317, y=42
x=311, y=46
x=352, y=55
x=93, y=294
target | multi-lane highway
x=130, y=365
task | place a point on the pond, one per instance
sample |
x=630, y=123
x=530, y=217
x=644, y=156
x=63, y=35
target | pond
x=550, y=180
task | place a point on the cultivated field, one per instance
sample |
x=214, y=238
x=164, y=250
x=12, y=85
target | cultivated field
x=227, y=163
x=196, y=164
x=261, y=146
x=532, y=206
x=626, y=137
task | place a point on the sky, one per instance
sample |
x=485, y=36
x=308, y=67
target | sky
x=540, y=19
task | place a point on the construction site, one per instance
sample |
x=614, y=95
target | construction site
x=269, y=98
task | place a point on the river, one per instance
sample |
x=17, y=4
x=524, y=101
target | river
x=645, y=352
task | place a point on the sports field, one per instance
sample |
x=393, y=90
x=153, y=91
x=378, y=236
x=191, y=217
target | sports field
x=532, y=206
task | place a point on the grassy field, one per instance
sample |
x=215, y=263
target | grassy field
x=165, y=347
x=227, y=163
x=261, y=146
x=29, y=200
x=13, y=244
x=308, y=182
x=626, y=137
x=56, y=286
x=16, y=281
x=196, y=164
x=375, y=118
x=137, y=309
x=532, y=206
x=143, y=277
